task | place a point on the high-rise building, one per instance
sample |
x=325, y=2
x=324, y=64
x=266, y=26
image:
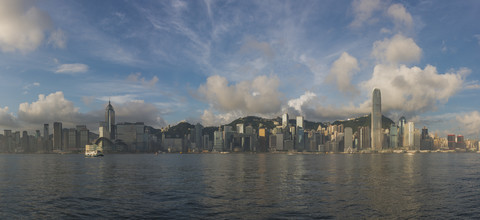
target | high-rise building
x=110, y=121
x=198, y=137
x=348, y=141
x=376, y=120
x=409, y=136
x=240, y=128
x=57, y=136
x=285, y=120
x=300, y=122
x=365, y=138
x=45, y=132
x=393, y=136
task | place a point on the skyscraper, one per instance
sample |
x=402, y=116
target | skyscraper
x=57, y=135
x=300, y=122
x=110, y=120
x=376, y=120
x=45, y=132
x=285, y=120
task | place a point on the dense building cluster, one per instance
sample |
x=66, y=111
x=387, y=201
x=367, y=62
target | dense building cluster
x=285, y=135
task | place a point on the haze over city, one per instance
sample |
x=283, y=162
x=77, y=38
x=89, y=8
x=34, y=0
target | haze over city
x=161, y=62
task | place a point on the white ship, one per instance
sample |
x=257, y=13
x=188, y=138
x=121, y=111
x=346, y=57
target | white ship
x=93, y=151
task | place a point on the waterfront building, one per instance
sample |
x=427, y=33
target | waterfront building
x=376, y=120
x=198, y=137
x=57, y=136
x=393, y=136
x=451, y=142
x=133, y=135
x=65, y=139
x=364, y=138
x=82, y=136
x=285, y=120
x=45, y=132
x=348, y=140
x=401, y=131
x=240, y=128
x=417, y=137
x=409, y=136
x=110, y=121
x=218, y=141
x=300, y=122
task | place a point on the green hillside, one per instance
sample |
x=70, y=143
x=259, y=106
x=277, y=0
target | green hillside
x=363, y=122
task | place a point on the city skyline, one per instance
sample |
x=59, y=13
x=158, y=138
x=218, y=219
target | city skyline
x=212, y=62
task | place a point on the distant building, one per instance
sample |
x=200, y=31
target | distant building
x=198, y=137
x=300, y=122
x=284, y=120
x=133, y=135
x=348, y=140
x=240, y=128
x=451, y=142
x=110, y=121
x=393, y=136
x=376, y=120
x=57, y=136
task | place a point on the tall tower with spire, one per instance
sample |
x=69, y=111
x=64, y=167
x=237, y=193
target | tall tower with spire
x=110, y=121
x=376, y=120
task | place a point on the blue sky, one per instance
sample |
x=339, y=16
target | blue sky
x=162, y=62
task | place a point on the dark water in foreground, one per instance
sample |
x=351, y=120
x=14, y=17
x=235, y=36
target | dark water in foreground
x=246, y=186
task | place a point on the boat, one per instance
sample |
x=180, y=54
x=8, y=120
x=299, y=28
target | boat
x=93, y=153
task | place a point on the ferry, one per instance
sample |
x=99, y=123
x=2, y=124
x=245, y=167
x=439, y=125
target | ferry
x=93, y=153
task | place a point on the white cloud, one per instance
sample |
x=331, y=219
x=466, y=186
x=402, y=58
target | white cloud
x=138, y=111
x=209, y=118
x=136, y=77
x=398, y=49
x=312, y=107
x=414, y=90
x=53, y=107
x=22, y=26
x=7, y=119
x=72, y=68
x=299, y=102
x=363, y=10
x=58, y=39
x=240, y=97
x=400, y=15
x=342, y=71
x=470, y=123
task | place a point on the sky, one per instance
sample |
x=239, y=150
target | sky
x=162, y=62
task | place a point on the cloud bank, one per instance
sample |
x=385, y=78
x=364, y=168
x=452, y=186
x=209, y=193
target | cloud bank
x=22, y=26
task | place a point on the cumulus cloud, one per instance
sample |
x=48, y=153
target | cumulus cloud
x=209, y=118
x=7, y=119
x=138, y=111
x=53, y=107
x=72, y=68
x=137, y=77
x=414, y=90
x=310, y=106
x=400, y=15
x=398, y=49
x=299, y=102
x=22, y=26
x=470, y=122
x=342, y=71
x=257, y=96
x=58, y=39
x=363, y=10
